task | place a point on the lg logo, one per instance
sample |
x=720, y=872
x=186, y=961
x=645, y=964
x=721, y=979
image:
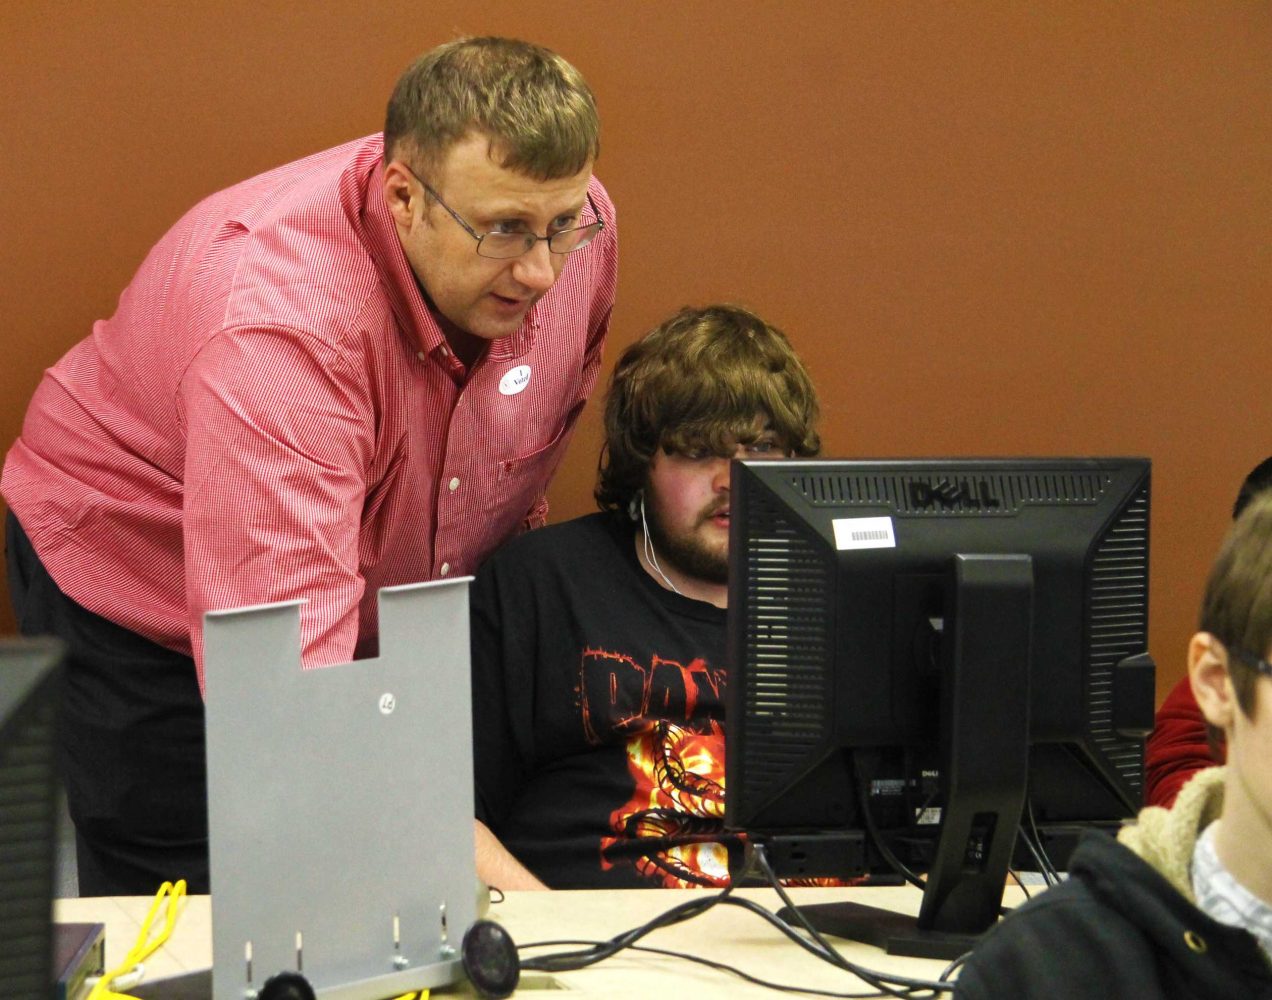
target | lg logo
x=387, y=703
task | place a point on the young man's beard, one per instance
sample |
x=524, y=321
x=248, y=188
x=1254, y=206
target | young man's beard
x=687, y=552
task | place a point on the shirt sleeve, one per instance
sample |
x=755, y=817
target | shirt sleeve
x=279, y=434
x=503, y=629
x=1177, y=748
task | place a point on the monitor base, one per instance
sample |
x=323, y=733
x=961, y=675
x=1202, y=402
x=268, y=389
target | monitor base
x=895, y=933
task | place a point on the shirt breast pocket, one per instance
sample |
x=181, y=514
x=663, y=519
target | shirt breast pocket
x=520, y=481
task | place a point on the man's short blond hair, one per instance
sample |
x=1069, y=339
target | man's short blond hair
x=536, y=109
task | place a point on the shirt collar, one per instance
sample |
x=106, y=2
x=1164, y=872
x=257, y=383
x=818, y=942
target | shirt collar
x=1221, y=897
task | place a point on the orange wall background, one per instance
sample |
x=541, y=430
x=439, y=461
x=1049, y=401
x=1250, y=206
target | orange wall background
x=989, y=229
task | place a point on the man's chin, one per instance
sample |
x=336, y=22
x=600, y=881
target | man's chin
x=704, y=564
x=488, y=328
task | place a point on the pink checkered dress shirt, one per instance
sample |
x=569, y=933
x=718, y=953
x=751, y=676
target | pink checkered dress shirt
x=272, y=413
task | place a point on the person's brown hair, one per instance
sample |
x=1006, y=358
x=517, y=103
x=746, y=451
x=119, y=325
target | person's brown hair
x=1256, y=481
x=1237, y=605
x=698, y=382
x=536, y=109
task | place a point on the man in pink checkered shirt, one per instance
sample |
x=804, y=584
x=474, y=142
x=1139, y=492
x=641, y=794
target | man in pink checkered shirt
x=356, y=370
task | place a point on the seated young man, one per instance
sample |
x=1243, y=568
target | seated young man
x=598, y=644
x=1179, y=745
x=1181, y=904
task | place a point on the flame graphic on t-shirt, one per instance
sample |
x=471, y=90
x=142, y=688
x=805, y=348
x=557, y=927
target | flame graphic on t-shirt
x=668, y=717
x=619, y=695
x=665, y=714
x=679, y=797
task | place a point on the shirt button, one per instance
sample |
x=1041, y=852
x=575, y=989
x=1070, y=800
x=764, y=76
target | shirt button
x=454, y=484
x=445, y=570
x=421, y=355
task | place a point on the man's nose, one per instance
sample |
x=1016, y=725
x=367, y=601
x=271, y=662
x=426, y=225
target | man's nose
x=535, y=269
x=720, y=474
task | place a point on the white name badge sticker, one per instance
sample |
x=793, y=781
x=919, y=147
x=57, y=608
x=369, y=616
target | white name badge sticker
x=864, y=533
x=514, y=380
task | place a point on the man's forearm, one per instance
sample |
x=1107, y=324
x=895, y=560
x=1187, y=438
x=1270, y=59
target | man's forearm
x=496, y=866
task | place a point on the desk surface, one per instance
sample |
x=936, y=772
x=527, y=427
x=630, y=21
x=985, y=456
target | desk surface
x=725, y=934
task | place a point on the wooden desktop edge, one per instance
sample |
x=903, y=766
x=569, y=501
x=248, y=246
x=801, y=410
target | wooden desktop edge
x=727, y=934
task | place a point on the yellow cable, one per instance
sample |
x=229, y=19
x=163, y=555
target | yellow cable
x=147, y=941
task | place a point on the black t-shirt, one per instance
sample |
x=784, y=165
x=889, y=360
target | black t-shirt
x=598, y=713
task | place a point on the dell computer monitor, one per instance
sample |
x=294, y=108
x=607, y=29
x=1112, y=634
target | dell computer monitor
x=924, y=652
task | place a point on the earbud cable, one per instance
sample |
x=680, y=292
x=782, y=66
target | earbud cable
x=650, y=557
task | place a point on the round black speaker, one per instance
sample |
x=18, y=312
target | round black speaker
x=490, y=960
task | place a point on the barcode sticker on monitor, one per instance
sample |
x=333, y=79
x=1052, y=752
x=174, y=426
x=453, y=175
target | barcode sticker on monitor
x=864, y=533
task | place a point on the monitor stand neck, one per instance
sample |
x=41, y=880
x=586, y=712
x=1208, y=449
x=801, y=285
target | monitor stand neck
x=984, y=754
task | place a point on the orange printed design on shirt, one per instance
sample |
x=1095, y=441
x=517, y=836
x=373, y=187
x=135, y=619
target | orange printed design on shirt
x=675, y=755
x=677, y=805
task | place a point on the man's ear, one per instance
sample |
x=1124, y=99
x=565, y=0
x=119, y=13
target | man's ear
x=1211, y=682
x=399, y=190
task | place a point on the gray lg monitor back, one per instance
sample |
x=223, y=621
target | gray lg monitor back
x=340, y=800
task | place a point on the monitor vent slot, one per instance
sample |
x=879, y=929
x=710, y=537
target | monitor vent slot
x=787, y=657
x=1117, y=628
x=943, y=495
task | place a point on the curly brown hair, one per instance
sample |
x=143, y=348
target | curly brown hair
x=697, y=382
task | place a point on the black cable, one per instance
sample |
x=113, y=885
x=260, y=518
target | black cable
x=863, y=801
x=908, y=986
x=569, y=960
x=954, y=966
x=884, y=983
x=824, y=950
x=895, y=863
x=1037, y=856
x=720, y=966
x=1049, y=871
x=1016, y=876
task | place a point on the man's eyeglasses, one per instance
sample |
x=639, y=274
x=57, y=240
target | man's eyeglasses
x=1250, y=660
x=504, y=245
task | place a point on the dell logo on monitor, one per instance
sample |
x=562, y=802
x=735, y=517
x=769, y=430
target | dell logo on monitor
x=962, y=495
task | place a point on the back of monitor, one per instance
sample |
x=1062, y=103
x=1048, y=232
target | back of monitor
x=340, y=800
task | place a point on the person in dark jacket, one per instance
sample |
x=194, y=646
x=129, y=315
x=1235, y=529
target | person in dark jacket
x=1180, y=905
